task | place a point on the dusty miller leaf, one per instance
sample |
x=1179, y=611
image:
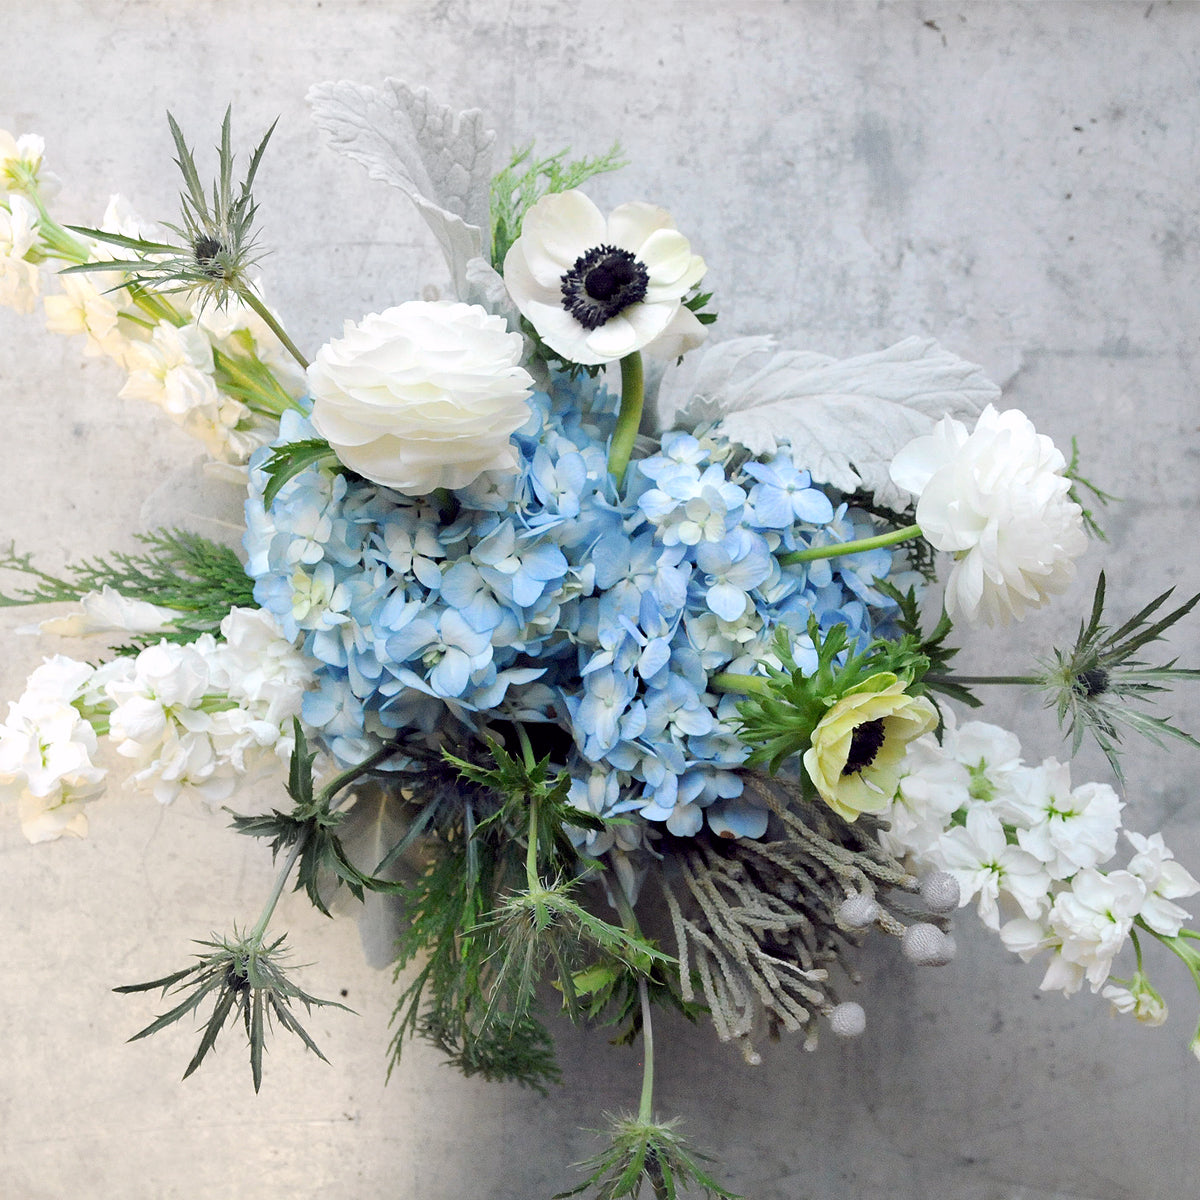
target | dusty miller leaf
x=440, y=159
x=845, y=419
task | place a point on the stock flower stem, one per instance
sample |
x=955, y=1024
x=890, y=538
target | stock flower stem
x=904, y=534
x=629, y=417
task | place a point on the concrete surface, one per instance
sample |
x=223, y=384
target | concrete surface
x=1018, y=180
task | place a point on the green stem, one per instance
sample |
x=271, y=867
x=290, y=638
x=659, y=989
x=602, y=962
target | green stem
x=729, y=681
x=973, y=680
x=269, y=909
x=629, y=418
x=630, y=924
x=326, y=795
x=259, y=307
x=907, y=533
x=350, y=774
x=646, y=1105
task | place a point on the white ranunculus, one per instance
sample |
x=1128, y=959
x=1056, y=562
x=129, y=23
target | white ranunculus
x=997, y=499
x=423, y=396
x=595, y=289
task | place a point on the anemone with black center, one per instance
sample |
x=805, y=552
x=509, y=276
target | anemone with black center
x=865, y=742
x=603, y=282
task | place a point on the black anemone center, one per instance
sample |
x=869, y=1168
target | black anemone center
x=602, y=283
x=865, y=743
x=206, y=250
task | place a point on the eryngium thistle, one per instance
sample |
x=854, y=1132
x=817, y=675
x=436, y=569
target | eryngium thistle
x=1095, y=685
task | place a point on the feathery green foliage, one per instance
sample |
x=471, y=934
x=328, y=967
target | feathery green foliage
x=496, y=914
x=519, y=186
x=1078, y=485
x=199, y=579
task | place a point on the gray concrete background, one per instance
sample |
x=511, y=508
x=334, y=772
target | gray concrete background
x=1019, y=180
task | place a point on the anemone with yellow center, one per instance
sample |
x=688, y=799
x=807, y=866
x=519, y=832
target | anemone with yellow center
x=859, y=745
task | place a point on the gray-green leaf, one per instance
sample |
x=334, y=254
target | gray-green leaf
x=440, y=159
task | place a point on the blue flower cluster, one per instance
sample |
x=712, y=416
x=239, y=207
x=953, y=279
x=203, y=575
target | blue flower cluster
x=549, y=595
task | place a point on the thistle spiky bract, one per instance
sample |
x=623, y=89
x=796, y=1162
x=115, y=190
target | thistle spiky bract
x=245, y=978
x=219, y=240
x=1094, y=685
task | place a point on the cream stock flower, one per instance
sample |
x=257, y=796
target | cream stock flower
x=595, y=289
x=859, y=746
x=997, y=499
x=423, y=396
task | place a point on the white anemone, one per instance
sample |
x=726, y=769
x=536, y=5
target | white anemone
x=595, y=289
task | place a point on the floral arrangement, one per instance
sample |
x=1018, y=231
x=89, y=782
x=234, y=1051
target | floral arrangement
x=619, y=625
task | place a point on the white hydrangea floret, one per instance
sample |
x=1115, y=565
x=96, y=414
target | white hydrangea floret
x=998, y=500
x=423, y=396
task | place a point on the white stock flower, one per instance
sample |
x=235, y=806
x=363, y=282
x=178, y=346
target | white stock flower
x=595, y=289
x=1140, y=999
x=17, y=155
x=1165, y=880
x=173, y=370
x=81, y=308
x=423, y=396
x=1066, y=829
x=997, y=500
x=1093, y=919
x=983, y=862
x=107, y=612
x=18, y=233
x=46, y=751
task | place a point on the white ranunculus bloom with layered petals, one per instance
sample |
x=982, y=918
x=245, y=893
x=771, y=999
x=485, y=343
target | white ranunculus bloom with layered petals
x=597, y=289
x=997, y=499
x=423, y=396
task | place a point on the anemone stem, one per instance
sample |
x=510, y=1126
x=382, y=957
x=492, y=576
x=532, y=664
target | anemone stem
x=629, y=417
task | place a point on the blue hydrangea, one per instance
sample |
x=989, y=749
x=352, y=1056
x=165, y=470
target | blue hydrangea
x=548, y=595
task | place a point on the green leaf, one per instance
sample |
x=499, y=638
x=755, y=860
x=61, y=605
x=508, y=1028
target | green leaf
x=288, y=461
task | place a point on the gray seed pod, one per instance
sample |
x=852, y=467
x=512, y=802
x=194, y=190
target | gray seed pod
x=927, y=946
x=858, y=911
x=848, y=1019
x=940, y=891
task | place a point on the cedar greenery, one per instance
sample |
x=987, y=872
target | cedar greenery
x=199, y=579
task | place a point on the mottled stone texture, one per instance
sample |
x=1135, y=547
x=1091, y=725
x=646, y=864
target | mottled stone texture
x=1018, y=180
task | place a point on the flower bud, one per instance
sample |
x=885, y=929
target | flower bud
x=940, y=891
x=927, y=946
x=858, y=911
x=848, y=1020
